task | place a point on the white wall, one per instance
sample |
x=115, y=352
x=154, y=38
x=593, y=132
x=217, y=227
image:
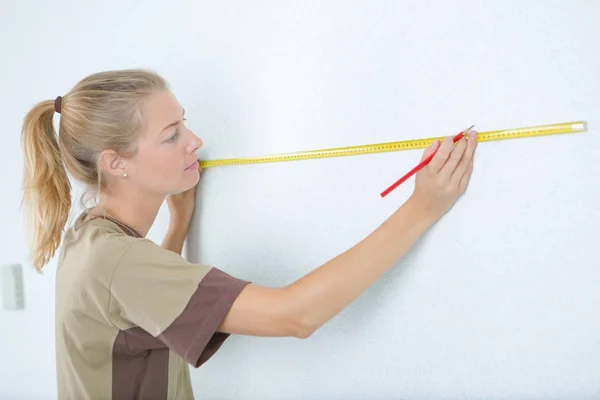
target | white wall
x=499, y=300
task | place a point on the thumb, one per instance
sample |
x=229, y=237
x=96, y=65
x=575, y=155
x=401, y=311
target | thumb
x=431, y=149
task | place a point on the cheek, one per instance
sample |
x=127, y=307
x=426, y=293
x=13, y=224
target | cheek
x=164, y=167
x=157, y=167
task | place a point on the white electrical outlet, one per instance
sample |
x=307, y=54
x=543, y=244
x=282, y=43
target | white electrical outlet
x=13, y=295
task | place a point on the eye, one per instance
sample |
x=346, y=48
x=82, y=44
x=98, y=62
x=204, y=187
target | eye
x=172, y=138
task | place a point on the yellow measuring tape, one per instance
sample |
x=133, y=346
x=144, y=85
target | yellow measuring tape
x=488, y=136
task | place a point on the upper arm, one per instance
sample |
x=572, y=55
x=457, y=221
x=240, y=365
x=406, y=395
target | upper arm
x=180, y=303
x=263, y=311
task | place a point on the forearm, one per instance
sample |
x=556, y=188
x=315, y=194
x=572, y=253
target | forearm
x=305, y=305
x=175, y=238
x=324, y=292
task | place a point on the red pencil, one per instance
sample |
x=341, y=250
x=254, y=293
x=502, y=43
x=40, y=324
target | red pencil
x=420, y=165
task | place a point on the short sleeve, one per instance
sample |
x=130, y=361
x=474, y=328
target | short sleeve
x=179, y=302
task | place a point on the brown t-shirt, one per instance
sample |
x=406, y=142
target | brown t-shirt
x=132, y=316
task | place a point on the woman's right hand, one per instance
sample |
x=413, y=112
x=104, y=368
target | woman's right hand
x=440, y=183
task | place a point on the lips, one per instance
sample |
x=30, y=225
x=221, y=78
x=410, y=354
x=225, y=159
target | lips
x=192, y=165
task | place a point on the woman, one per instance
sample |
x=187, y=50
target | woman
x=131, y=316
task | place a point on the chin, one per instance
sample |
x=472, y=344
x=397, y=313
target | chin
x=188, y=182
x=180, y=184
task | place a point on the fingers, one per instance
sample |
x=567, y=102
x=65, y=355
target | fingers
x=443, y=152
x=431, y=149
x=453, y=162
x=466, y=159
x=465, y=179
x=456, y=155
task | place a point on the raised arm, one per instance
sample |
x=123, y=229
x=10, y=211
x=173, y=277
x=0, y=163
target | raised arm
x=300, y=308
x=181, y=209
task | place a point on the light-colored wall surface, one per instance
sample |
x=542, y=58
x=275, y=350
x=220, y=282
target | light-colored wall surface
x=499, y=300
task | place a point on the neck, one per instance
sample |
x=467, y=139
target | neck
x=137, y=210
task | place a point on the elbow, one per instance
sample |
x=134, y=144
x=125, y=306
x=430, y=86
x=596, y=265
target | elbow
x=303, y=333
x=304, y=327
x=301, y=320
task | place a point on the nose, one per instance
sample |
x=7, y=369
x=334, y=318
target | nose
x=195, y=144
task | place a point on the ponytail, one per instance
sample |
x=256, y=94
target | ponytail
x=47, y=190
x=100, y=112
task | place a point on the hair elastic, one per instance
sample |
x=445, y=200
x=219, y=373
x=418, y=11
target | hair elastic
x=57, y=104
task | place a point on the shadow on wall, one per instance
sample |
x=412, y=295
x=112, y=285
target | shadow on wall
x=218, y=90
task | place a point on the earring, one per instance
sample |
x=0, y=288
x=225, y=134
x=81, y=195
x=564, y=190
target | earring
x=125, y=174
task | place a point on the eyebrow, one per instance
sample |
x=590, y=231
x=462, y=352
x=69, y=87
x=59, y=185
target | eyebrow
x=172, y=123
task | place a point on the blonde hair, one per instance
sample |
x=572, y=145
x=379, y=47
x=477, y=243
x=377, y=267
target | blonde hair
x=101, y=112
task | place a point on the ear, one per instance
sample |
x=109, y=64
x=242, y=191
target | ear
x=112, y=164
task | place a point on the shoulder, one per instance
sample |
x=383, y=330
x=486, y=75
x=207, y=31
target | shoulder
x=165, y=294
x=94, y=246
x=143, y=256
x=147, y=267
